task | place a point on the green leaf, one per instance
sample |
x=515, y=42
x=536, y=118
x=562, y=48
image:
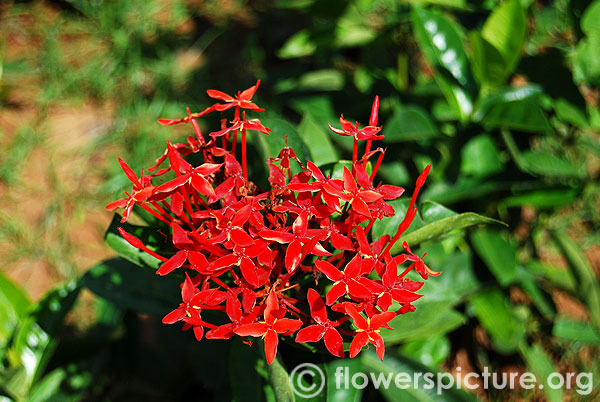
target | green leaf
x=48, y=389
x=298, y=45
x=496, y=315
x=418, y=389
x=587, y=282
x=499, y=254
x=542, y=199
x=480, y=157
x=13, y=309
x=336, y=387
x=541, y=365
x=442, y=44
x=547, y=164
x=410, y=123
x=524, y=115
x=280, y=381
x=559, y=277
x=429, y=319
x=317, y=140
x=431, y=351
x=273, y=143
x=576, y=331
x=489, y=66
x=457, y=280
x=37, y=338
x=442, y=227
x=541, y=300
x=506, y=95
x=505, y=30
x=130, y=286
x=148, y=236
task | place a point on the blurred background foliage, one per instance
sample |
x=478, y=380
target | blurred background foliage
x=501, y=97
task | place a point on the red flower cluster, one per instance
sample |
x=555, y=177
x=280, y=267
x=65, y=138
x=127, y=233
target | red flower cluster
x=264, y=258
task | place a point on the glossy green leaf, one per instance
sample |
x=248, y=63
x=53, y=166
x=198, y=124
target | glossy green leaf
x=148, y=236
x=442, y=44
x=575, y=331
x=505, y=30
x=541, y=365
x=480, y=157
x=430, y=318
x=442, y=227
x=13, y=309
x=37, y=338
x=130, y=286
x=48, y=389
x=273, y=143
x=496, y=315
x=506, y=95
x=588, y=289
x=413, y=386
x=409, y=123
x=499, y=254
x=318, y=140
x=431, y=351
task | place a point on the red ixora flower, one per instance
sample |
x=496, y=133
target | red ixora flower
x=298, y=257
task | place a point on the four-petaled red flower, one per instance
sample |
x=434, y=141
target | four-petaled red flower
x=273, y=324
x=368, y=330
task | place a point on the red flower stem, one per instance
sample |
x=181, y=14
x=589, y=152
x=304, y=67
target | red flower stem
x=408, y=218
x=377, y=164
x=161, y=210
x=371, y=222
x=368, y=148
x=294, y=308
x=407, y=270
x=233, y=145
x=244, y=155
x=354, y=154
x=155, y=214
x=220, y=283
x=208, y=325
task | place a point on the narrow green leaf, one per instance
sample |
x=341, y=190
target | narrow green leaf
x=499, y=254
x=37, y=338
x=13, y=309
x=489, y=66
x=559, y=277
x=547, y=164
x=442, y=227
x=542, y=366
x=576, y=331
x=298, y=45
x=587, y=282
